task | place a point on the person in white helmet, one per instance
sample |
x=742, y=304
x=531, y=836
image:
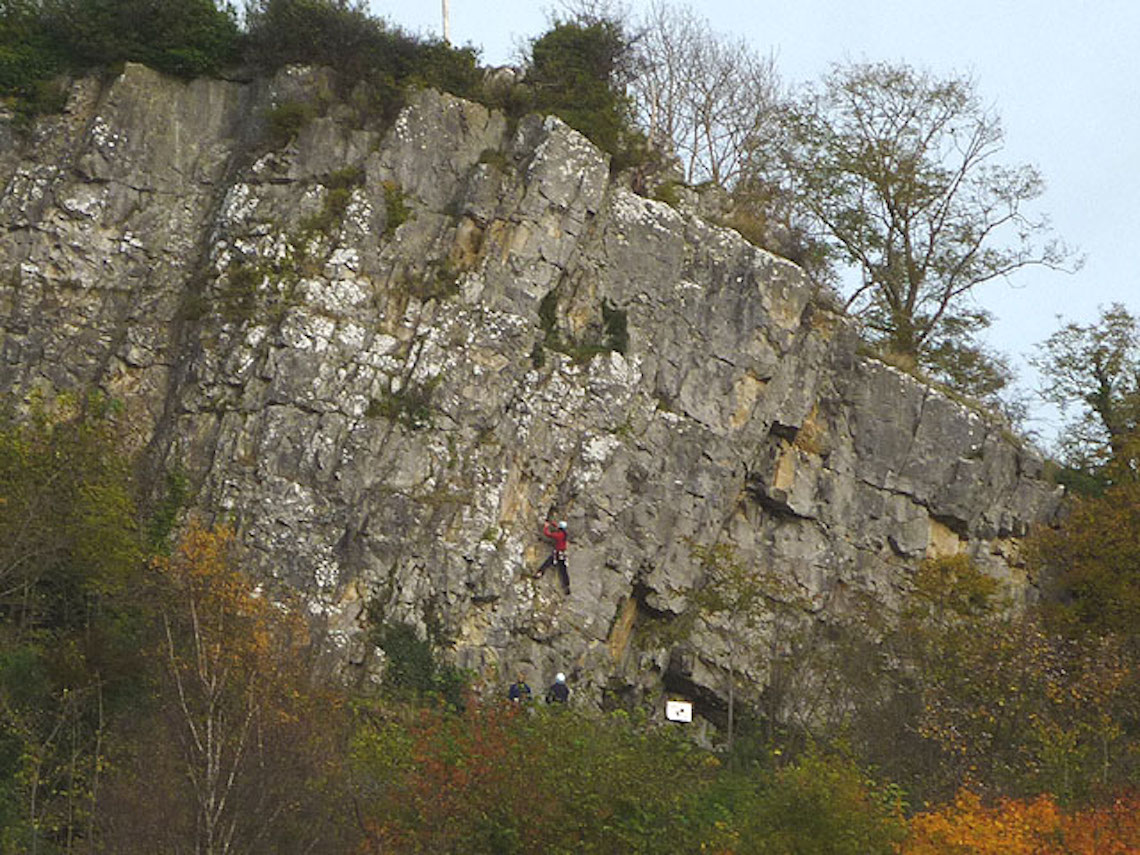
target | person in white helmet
x=559, y=692
x=558, y=537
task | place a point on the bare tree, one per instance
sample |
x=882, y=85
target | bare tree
x=593, y=11
x=699, y=93
x=233, y=662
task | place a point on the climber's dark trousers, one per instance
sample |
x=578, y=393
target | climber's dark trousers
x=558, y=559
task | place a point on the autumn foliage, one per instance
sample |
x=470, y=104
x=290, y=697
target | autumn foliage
x=170, y=703
x=503, y=779
x=1025, y=827
x=450, y=783
x=236, y=748
x=1089, y=564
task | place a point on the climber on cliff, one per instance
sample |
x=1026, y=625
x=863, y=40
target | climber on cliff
x=557, y=558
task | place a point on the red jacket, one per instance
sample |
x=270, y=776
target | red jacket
x=558, y=535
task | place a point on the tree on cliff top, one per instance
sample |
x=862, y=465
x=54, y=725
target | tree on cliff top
x=576, y=70
x=896, y=169
x=343, y=35
x=701, y=94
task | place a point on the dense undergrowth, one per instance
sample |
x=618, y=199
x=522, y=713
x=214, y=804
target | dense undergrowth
x=153, y=698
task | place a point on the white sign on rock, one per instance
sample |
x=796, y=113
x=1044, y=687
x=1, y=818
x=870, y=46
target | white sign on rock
x=679, y=711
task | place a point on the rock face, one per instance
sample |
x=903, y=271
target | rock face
x=389, y=353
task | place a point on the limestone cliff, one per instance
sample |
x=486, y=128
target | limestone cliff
x=389, y=353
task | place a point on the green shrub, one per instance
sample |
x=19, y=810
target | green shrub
x=411, y=406
x=615, y=323
x=496, y=779
x=440, y=281
x=29, y=58
x=27, y=51
x=310, y=32
x=573, y=73
x=336, y=204
x=238, y=299
x=70, y=557
x=396, y=210
x=285, y=121
x=499, y=778
x=348, y=177
x=360, y=48
x=1075, y=481
x=412, y=669
x=582, y=352
x=548, y=312
x=667, y=192
x=331, y=214
x=184, y=37
x=824, y=805
x=164, y=515
x=614, y=334
x=40, y=98
x=495, y=158
x=438, y=65
x=41, y=38
x=538, y=355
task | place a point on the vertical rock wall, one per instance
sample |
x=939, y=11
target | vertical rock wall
x=389, y=353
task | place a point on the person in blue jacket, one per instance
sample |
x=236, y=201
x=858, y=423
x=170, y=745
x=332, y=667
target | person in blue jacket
x=519, y=692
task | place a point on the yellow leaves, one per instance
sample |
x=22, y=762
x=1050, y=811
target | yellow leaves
x=219, y=627
x=952, y=587
x=967, y=827
x=1020, y=827
x=1091, y=561
x=726, y=842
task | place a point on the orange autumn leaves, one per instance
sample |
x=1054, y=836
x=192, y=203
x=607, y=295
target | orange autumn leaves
x=1025, y=827
x=491, y=779
x=234, y=684
x=226, y=627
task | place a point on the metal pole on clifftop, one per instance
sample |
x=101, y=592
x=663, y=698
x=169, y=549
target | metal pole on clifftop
x=446, y=23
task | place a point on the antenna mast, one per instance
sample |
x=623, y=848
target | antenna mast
x=446, y=23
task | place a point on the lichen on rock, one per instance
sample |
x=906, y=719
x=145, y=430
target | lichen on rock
x=369, y=407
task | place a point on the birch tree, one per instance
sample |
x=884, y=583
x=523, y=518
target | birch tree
x=736, y=600
x=228, y=653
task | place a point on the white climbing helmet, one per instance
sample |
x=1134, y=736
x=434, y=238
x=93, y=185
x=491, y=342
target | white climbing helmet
x=562, y=524
x=559, y=677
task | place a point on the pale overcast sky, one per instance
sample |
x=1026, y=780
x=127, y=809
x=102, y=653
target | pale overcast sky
x=1064, y=77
